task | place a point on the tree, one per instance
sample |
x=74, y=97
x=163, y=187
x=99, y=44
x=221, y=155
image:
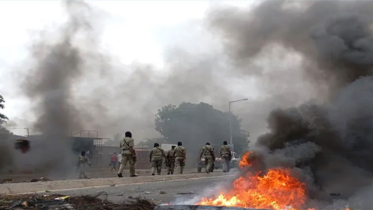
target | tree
x=3, y=118
x=4, y=133
x=196, y=124
x=6, y=155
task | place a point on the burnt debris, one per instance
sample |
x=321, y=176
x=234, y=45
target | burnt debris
x=49, y=202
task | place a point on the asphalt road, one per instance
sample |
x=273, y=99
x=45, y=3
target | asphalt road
x=169, y=191
x=92, y=173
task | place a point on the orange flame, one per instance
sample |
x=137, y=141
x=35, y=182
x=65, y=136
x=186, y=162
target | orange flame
x=244, y=162
x=276, y=189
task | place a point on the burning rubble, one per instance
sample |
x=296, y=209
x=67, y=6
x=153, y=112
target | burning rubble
x=276, y=188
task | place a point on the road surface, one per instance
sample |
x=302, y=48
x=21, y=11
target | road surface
x=167, y=191
x=92, y=173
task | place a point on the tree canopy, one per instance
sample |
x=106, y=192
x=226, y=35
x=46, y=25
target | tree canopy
x=3, y=118
x=6, y=156
x=196, y=124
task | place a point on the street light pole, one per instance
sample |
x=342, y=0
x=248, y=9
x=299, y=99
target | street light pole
x=230, y=123
x=230, y=126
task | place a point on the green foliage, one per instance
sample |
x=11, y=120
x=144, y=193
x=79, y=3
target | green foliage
x=6, y=158
x=3, y=118
x=196, y=124
x=4, y=133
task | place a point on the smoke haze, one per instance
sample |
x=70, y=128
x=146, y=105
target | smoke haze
x=291, y=51
x=102, y=94
x=99, y=93
x=329, y=138
x=56, y=64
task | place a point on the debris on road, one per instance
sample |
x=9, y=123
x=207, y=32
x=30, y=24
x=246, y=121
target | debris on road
x=6, y=181
x=185, y=193
x=62, y=198
x=32, y=202
x=49, y=202
x=41, y=179
x=162, y=192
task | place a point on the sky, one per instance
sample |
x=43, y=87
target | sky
x=132, y=31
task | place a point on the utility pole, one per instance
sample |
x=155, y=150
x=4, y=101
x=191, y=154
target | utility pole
x=230, y=123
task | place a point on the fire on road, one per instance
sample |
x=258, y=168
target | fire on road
x=275, y=189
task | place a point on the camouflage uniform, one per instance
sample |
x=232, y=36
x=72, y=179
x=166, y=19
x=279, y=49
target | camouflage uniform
x=226, y=154
x=170, y=161
x=81, y=166
x=180, y=154
x=127, y=156
x=207, y=152
x=156, y=156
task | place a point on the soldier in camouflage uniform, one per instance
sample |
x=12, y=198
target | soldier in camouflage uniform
x=226, y=156
x=180, y=156
x=171, y=160
x=207, y=152
x=128, y=155
x=82, y=161
x=156, y=157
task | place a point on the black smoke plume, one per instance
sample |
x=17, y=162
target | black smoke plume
x=329, y=138
x=74, y=84
x=56, y=63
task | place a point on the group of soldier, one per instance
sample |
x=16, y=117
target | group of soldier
x=207, y=152
x=173, y=158
x=177, y=156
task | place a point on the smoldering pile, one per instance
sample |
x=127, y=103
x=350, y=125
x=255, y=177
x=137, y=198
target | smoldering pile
x=329, y=139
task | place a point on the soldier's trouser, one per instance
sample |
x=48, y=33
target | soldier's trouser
x=157, y=165
x=179, y=163
x=208, y=164
x=127, y=158
x=81, y=170
x=226, y=162
x=171, y=167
